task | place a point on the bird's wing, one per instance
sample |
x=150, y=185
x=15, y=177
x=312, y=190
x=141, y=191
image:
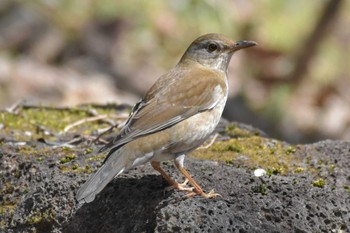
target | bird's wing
x=173, y=98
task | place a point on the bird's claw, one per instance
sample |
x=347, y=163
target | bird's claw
x=211, y=194
x=181, y=187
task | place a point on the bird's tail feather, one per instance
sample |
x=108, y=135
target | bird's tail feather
x=114, y=165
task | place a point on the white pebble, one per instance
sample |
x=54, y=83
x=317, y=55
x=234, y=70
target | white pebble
x=259, y=172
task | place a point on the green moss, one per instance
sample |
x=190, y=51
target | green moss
x=8, y=202
x=44, y=122
x=88, y=150
x=291, y=150
x=229, y=147
x=262, y=189
x=96, y=157
x=66, y=148
x=274, y=171
x=87, y=169
x=68, y=158
x=48, y=215
x=229, y=161
x=34, y=219
x=320, y=183
x=251, y=152
x=299, y=170
x=30, y=151
x=233, y=130
x=75, y=166
x=64, y=168
x=347, y=188
x=7, y=208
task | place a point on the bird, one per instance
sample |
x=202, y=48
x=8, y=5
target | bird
x=177, y=114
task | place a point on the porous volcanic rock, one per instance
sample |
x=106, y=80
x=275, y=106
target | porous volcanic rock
x=138, y=202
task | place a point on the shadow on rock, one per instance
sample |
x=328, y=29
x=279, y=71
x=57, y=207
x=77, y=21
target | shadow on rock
x=125, y=205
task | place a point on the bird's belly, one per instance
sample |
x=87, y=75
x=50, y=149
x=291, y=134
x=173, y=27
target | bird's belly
x=192, y=132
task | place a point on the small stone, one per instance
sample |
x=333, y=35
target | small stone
x=259, y=172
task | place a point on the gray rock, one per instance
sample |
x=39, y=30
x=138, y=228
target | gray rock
x=137, y=201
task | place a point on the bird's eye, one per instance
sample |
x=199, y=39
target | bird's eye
x=212, y=47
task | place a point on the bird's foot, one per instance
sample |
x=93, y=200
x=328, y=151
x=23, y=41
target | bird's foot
x=211, y=194
x=182, y=187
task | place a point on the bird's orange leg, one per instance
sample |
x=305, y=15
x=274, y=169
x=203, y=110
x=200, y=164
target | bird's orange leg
x=173, y=184
x=197, y=189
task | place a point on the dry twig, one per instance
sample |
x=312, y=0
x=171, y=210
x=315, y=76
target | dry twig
x=82, y=121
x=210, y=143
x=13, y=108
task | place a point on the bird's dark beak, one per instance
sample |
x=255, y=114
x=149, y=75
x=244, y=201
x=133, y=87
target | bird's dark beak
x=243, y=44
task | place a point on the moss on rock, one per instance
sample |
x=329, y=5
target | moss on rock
x=253, y=152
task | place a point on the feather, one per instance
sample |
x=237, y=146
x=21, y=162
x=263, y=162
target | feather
x=115, y=165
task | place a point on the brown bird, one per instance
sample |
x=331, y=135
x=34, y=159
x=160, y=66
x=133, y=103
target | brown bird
x=175, y=116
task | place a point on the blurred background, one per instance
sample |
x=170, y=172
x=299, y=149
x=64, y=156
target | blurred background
x=294, y=86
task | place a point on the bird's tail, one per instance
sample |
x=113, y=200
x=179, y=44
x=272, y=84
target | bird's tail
x=112, y=167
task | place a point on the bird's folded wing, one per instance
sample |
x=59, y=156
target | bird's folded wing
x=165, y=105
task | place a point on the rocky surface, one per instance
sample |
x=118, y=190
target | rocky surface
x=39, y=182
x=137, y=201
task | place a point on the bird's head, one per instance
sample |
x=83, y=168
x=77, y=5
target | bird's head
x=214, y=50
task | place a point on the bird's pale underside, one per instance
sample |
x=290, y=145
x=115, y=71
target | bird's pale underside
x=176, y=115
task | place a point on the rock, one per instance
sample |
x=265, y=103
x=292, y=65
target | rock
x=137, y=201
x=39, y=181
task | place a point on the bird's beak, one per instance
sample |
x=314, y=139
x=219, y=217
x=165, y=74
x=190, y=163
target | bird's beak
x=242, y=45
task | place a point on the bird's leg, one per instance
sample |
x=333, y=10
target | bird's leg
x=197, y=189
x=156, y=166
x=173, y=184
